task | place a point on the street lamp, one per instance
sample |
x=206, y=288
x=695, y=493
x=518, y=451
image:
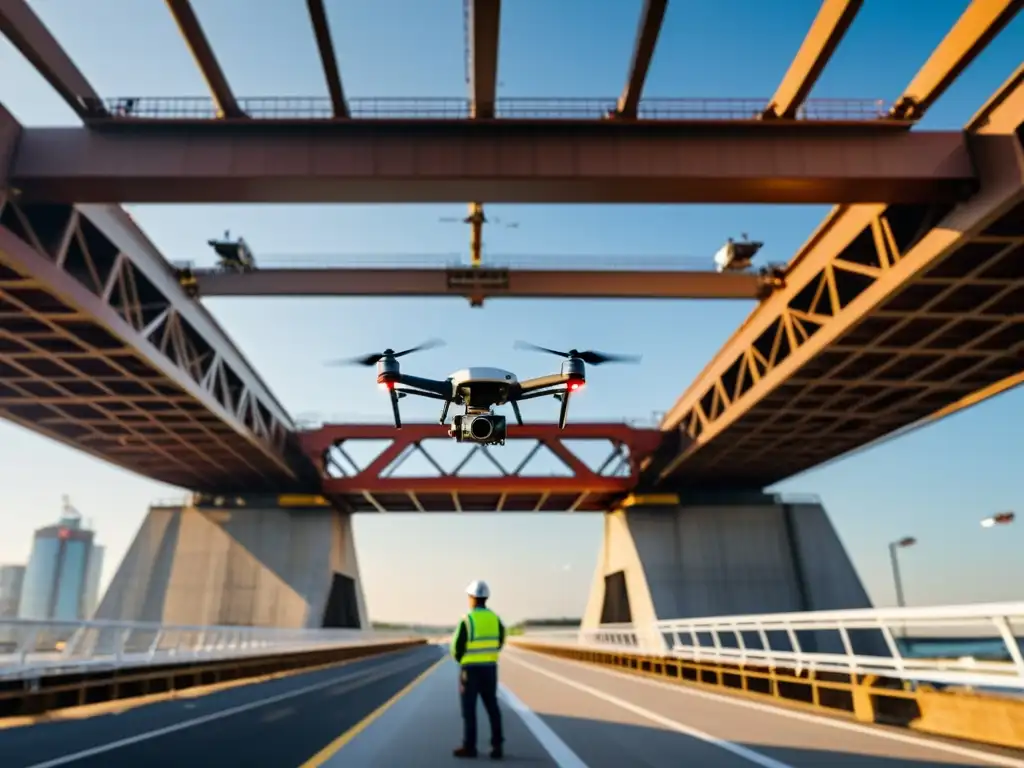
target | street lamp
x=906, y=541
x=1002, y=518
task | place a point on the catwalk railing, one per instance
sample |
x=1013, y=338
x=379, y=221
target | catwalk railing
x=976, y=646
x=321, y=108
x=30, y=648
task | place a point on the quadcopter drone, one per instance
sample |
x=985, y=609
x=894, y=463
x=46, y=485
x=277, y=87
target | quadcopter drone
x=480, y=389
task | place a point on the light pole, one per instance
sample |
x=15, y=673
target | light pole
x=1002, y=518
x=906, y=541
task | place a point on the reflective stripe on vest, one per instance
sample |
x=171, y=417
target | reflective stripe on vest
x=482, y=642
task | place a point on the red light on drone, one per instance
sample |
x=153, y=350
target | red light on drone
x=575, y=384
x=63, y=533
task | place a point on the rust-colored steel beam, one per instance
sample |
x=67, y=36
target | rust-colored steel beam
x=20, y=24
x=1003, y=111
x=643, y=52
x=187, y=21
x=104, y=352
x=893, y=315
x=606, y=162
x=481, y=283
x=830, y=25
x=10, y=134
x=484, y=26
x=322, y=31
x=975, y=29
x=529, y=486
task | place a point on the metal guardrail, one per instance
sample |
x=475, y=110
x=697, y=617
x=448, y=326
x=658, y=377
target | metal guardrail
x=788, y=640
x=321, y=108
x=31, y=649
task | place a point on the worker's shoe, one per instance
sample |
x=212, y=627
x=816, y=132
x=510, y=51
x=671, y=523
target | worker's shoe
x=464, y=752
x=497, y=753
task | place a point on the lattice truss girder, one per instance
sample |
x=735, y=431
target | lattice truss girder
x=945, y=335
x=413, y=474
x=101, y=389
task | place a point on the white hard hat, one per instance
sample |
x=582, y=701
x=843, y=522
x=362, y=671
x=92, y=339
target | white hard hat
x=478, y=589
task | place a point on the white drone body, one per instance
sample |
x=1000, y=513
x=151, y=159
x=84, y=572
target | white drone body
x=480, y=388
x=483, y=375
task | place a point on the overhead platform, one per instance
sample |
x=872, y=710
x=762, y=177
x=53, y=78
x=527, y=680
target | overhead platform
x=478, y=283
x=451, y=161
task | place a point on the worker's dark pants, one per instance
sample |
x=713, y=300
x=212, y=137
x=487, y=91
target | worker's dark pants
x=480, y=680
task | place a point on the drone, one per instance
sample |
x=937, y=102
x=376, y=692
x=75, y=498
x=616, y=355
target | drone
x=480, y=389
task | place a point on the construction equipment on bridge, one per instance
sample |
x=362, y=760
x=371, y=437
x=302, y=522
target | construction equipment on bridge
x=234, y=255
x=480, y=389
x=737, y=256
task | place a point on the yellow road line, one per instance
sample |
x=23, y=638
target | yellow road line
x=331, y=749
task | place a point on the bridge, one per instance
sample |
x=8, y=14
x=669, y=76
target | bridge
x=902, y=308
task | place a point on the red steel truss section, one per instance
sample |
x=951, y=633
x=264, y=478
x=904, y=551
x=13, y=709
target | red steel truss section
x=514, y=488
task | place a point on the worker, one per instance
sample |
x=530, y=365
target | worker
x=476, y=645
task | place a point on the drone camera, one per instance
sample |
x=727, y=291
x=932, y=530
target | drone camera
x=485, y=429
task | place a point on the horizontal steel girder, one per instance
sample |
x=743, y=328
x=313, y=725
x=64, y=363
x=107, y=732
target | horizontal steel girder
x=891, y=317
x=372, y=487
x=452, y=161
x=484, y=282
x=101, y=349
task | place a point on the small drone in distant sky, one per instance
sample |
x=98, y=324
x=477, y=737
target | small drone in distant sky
x=480, y=389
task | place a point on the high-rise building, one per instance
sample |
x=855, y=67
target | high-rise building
x=61, y=580
x=91, y=598
x=11, y=578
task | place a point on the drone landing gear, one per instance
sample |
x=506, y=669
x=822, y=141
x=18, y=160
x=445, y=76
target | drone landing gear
x=394, y=407
x=563, y=412
x=515, y=410
x=444, y=411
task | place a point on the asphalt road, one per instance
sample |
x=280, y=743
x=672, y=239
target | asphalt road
x=280, y=722
x=557, y=714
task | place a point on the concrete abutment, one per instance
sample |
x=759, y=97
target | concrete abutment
x=677, y=561
x=253, y=565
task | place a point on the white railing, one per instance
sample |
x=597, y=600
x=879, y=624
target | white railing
x=30, y=648
x=982, y=642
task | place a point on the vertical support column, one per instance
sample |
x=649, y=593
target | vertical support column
x=252, y=565
x=680, y=560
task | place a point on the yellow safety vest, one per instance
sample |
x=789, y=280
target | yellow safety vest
x=482, y=641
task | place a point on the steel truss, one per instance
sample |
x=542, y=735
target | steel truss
x=900, y=326
x=519, y=488
x=94, y=354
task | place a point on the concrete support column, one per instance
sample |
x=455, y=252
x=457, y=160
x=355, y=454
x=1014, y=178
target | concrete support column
x=245, y=566
x=720, y=559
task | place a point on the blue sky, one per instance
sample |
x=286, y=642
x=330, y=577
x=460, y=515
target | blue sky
x=935, y=484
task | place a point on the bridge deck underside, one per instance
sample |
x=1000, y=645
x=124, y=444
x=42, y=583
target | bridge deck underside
x=69, y=376
x=937, y=342
x=484, y=501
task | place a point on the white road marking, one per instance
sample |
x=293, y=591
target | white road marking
x=939, y=746
x=110, y=746
x=559, y=751
x=674, y=725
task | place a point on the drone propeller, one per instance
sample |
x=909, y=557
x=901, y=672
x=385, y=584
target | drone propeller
x=373, y=359
x=589, y=356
